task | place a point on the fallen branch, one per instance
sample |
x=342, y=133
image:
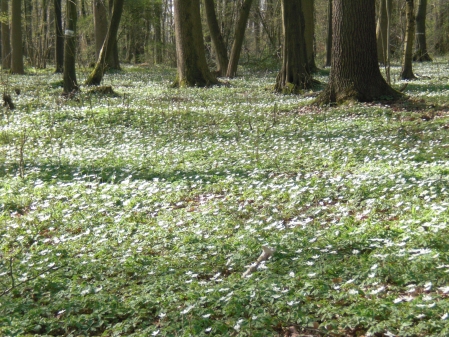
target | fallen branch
x=266, y=254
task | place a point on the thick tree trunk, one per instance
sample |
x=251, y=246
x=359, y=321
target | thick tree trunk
x=294, y=75
x=239, y=34
x=329, y=34
x=59, y=44
x=70, y=37
x=190, y=51
x=16, y=37
x=217, y=38
x=355, y=73
x=382, y=31
x=308, y=8
x=407, y=58
x=421, y=53
x=6, y=44
x=110, y=42
x=100, y=25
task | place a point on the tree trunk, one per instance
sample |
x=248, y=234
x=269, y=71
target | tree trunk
x=355, y=73
x=407, y=70
x=6, y=44
x=157, y=9
x=100, y=25
x=308, y=8
x=442, y=28
x=16, y=37
x=421, y=53
x=59, y=44
x=108, y=46
x=329, y=34
x=190, y=50
x=70, y=37
x=239, y=34
x=381, y=32
x=217, y=38
x=294, y=75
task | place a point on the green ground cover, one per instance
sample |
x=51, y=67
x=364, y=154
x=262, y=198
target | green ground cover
x=137, y=215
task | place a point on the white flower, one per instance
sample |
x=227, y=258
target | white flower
x=155, y=333
x=187, y=310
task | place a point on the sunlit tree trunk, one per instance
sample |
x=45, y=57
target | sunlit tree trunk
x=407, y=70
x=6, y=44
x=239, y=34
x=59, y=37
x=100, y=24
x=221, y=53
x=16, y=37
x=355, y=73
x=329, y=34
x=382, y=30
x=70, y=37
x=109, y=43
x=421, y=53
x=190, y=51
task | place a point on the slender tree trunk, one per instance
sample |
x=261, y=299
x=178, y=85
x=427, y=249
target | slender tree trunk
x=407, y=69
x=421, y=53
x=16, y=37
x=239, y=34
x=108, y=46
x=190, y=51
x=308, y=8
x=59, y=43
x=70, y=37
x=100, y=24
x=157, y=10
x=6, y=44
x=294, y=75
x=442, y=28
x=329, y=34
x=381, y=32
x=217, y=38
x=355, y=73
x=256, y=26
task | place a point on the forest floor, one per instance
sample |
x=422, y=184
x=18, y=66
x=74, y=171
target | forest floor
x=138, y=214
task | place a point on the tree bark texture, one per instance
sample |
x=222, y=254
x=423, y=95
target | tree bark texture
x=100, y=25
x=6, y=43
x=59, y=43
x=308, y=9
x=382, y=30
x=407, y=58
x=294, y=75
x=109, y=43
x=16, y=38
x=421, y=53
x=355, y=73
x=70, y=37
x=220, y=49
x=329, y=34
x=239, y=35
x=190, y=51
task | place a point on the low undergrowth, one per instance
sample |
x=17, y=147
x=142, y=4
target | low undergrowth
x=137, y=214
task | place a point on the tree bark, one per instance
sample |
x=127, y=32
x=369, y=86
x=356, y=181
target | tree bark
x=355, y=73
x=6, y=44
x=329, y=34
x=217, y=38
x=294, y=75
x=442, y=28
x=59, y=44
x=110, y=42
x=239, y=34
x=382, y=30
x=100, y=25
x=308, y=8
x=190, y=51
x=70, y=37
x=421, y=54
x=157, y=10
x=16, y=37
x=407, y=69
